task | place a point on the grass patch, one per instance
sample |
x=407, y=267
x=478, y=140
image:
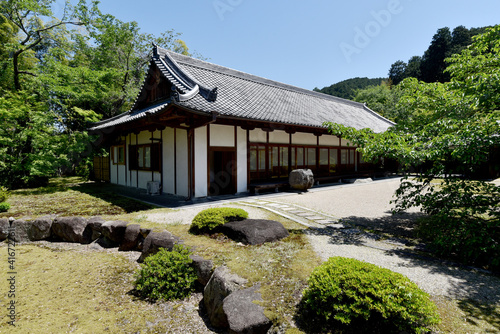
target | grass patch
x=466, y=316
x=63, y=291
x=71, y=196
x=281, y=268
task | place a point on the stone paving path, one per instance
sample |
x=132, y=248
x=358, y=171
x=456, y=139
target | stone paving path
x=322, y=223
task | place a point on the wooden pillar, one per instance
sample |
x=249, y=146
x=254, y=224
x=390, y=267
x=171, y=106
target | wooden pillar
x=137, y=171
x=175, y=161
x=161, y=161
x=208, y=160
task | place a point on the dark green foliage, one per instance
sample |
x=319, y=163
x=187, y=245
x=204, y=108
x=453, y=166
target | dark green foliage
x=4, y=207
x=347, y=89
x=450, y=138
x=55, y=80
x=432, y=65
x=397, y=72
x=166, y=275
x=464, y=221
x=208, y=220
x=350, y=296
x=383, y=99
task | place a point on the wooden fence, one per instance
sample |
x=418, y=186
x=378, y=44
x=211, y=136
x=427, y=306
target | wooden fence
x=101, y=169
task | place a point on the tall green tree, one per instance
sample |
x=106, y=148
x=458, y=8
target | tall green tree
x=69, y=69
x=397, y=72
x=413, y=68
x=453, y=130
x=27, y=15
x=433, y=64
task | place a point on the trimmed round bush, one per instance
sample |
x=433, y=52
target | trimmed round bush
x=166, y=275
x=4, y=207
x=358, y=297
x=208, y=220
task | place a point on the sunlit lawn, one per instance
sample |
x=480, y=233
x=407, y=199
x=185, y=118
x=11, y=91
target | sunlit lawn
x=70, y=196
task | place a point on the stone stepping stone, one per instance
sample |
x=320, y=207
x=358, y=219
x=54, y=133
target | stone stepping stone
x=296, y=212
x=316, y=218
x=305, y=214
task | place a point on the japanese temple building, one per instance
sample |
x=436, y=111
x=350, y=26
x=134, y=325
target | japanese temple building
x=198, y=129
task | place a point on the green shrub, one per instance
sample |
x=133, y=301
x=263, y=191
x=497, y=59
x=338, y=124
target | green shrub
x=4, y=207
x=355, y=297
x=166, y=275
x=208, y=220
x=4, y=194
x=471, y=240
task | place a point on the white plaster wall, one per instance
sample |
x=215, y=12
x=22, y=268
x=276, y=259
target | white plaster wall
x=279, y=137
x=122, y=174
x=144, y=138
x=144, y=178
x=328, y=140
x=258, y=136
x=304, y=139
x=221, y=135
x=113, y=177
x=168, y=161
x=182, y=163
x=241, y=160
x=200, y=162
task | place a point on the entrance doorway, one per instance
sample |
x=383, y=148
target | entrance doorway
x=222, y=172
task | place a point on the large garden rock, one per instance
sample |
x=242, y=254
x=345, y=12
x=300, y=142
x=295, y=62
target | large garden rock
x=20, y=228
x=255, y=231
x=130, y=238
x=31, y=230
x=40, y=228
x=142, y=237
x=4, y=228
x=156, y=240
x=203, y=269
x=114, y=231
x=69, y=228
x=301, y=179
x=221, y=284
x=243, y=315
x=93, y=230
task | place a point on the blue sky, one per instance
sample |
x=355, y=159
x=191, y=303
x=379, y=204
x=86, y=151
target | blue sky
x=307, y=44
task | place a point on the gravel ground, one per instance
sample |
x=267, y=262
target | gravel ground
x=186, y=215
x=369, y=203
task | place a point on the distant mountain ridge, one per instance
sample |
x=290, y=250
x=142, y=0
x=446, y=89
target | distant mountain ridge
x=347, y=88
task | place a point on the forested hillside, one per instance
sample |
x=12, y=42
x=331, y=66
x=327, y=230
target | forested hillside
x=347, y=89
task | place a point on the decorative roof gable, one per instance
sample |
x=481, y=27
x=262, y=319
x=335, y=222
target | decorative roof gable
x=205, y=88
x=185, y=86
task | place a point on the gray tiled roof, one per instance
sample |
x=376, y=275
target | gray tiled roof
x=228, y=92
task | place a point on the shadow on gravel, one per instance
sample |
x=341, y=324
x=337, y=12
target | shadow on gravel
x=465, y=282
x=398, y=225
x=339, y=237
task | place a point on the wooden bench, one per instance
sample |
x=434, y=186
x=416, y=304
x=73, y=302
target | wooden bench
x=256, y=187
